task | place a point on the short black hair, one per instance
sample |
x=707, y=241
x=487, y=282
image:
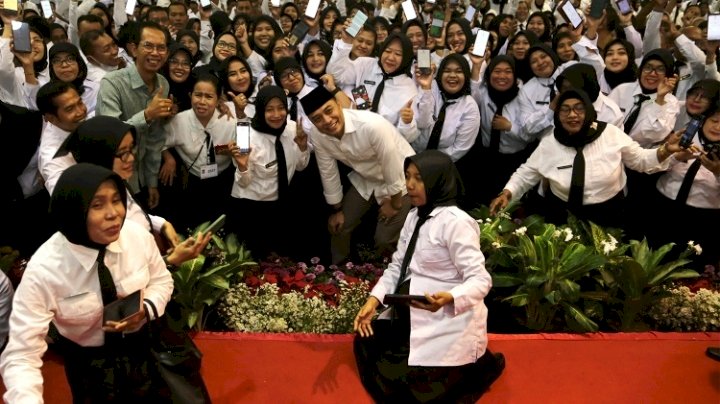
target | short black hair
x=151, y=25
x=128, y=33
x=178, y=3
x=155, y=9
x=91, y=18
x=87, y=39
x=48, y=92
x=209, y=78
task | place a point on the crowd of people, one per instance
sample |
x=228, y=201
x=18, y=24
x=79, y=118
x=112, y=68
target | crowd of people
x=614, y=120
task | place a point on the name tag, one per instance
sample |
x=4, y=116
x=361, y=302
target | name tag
x=542, y=103
x=370, y=82
x=564, y=167
x=270, y=164
x=208, y=171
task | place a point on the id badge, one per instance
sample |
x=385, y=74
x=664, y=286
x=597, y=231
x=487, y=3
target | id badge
x=208, y=171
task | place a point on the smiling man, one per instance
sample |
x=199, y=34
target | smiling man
x=138, y=96
x=375, y=151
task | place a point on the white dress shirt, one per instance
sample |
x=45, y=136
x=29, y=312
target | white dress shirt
x=447, y=258
x=260, y=181
x=96, y=73
x=654, y=122
x=61, y=285
x=50, y=141
x=459, y=130
x=372, y=147
x=605, y=161
x=534, y=98
x=12, y=79
x=187, y=135
x=89, y=95
x=511, y=141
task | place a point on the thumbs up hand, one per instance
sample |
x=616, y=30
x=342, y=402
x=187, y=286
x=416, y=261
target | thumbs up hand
x=407, y=114
x=158, y=107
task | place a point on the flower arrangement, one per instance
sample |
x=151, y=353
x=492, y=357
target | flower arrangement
x=282, y=296
x=685, y=310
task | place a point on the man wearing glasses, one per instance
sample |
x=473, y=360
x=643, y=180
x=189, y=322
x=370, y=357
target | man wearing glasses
x=138, y=95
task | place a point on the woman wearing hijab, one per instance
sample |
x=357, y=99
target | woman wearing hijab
x=22, y=69
x=458, y=118
x=191, y=40
x=225, y=45
x=518, y=48
x=387, y=81
x=581, y=75
x=177, y=71
x=579, y=141
x=95, y=258
x=433, y=351
x=700, y=99
x=238, y=84
x=315, y=58
x=562, y=44
x=616, y=65
x=263, y=173
x=540, y=25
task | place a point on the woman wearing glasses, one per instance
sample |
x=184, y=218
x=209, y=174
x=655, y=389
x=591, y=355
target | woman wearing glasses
x=18, y=68
x=225, y=46
x=584, y=163
x=177, y=72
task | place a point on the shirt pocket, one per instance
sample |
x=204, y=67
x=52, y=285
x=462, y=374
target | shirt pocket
x=80, y=309
x=133, y=282
x=434, y=262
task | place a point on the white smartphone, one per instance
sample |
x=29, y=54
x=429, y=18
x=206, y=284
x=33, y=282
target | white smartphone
x=713, y=27
x=409, y=10
x=481, y=41
x=11, y=5
x=423, y=56
x=357, y=22
x=571, y=14
x=275, y=3
x=431, y=1
x=624, y=6
x=242, y=133
x=312, y=8
x=470, y=14
x=205, y=3
x=130, y=7
x=46, y=8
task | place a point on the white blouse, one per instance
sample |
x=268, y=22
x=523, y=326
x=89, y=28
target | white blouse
x=12, y=79
x=511, y=141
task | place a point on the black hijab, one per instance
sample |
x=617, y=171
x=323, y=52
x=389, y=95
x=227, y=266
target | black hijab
x=711, y=90
x=465, y=26
x=407, y=54
x=224, y=76
x=96, y=141
x=580, y=75
x=262, y=98
x=522, y=66
x=501, y=98
x=326, y=50
x=590, y=129
x=443, y=185
x=627, y=75
x=663, y=56
x=265, y=53
x=542, y=47
x=460, y=60
x=70, y=201
x=180, y=91
x=214, y=66
x=195, y=37
x=69, y=48
x=712, y=110
x=545, y=37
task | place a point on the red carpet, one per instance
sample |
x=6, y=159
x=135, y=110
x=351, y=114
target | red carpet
x=547, y=368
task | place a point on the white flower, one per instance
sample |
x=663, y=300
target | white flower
x=488, y=220
x=698, y=249
x=496, y=245
x=557, y=233
x=568, y=234
x=691, y=244
x=520, y=231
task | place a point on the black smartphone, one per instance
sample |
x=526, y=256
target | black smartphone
x=424, y=61
x=692, y=128
x=404, y=299
x=436, y=27
x=298, y=33
x=361, y=97
x=597, y=7
x=21, y=37
x=124, y=309
x=242, y=134
x=712, y=150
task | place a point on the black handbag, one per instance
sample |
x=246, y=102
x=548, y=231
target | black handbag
x=178, y=361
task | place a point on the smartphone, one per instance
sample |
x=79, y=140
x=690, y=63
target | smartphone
x=692, y=128
x=571, y=14
x=436, y=26
x=216, y=225
x=124, y=309
x=130, y=7
x=430, y=1
x=597, y=7
x=298, y=33
x=423, y=56
x=409, y=10
x=712, y=150
x=356, y=24
x=275, y=3
x=713, y=27
x=46, y=8
x=242, y=132
x=11, y=5
x=361, y=97
x=21, y=37
x=470, y=14
x=624, y=6
x=222, y=149
x=481, y=41
x=403, y=299
x=312, y=8
x=205, y=3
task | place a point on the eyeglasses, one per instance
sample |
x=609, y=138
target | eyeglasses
x=62, y=61
x=226, y=45
x=150, y=47
x=565, y=110
x=697, y=94
x=657, y=69
x=289, y=72
x=180, y=63
x=124, y=156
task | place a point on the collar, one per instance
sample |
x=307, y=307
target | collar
x=87, y=256
x=349, y=124
x=136, y=81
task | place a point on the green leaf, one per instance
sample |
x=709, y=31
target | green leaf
x=663, y=272
x=518, y=300
x=217, y=281
x=192, y=319
x=584, y=321
x=501, y=280
x=553, y=297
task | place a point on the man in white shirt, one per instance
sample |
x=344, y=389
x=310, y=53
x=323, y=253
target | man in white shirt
x=375, y=151
x=101, y=53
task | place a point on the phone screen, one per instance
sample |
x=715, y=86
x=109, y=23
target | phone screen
x=312, y=8
x=470, y=14
x=424, y=61
x=597, y=7
x=571, y=14
x=357, y=22
x=692, y=128
x=130, y=7
x=205, y=3
x=243, y=137
x=624, y=6
x=298, y=33
x=21, y=37
x=436, y=26
x=46, y=8
x=481, y=41
x=409, y=10
x=361, y=97
x=713, y=27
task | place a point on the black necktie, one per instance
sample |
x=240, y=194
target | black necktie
x=409, y=251
x=552, y=90
x=577, y=183
x=210, y=148
x=378, y=94
x=495, y=133
x=107, y=285
x=633, y=117
x=434, y=140
x=293, y=108
x=282, y=169
x=684, y=191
